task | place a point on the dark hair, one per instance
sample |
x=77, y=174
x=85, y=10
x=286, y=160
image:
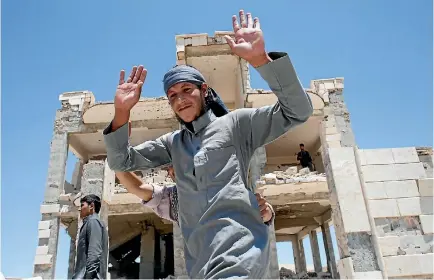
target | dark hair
x=91, y=198
x=301, y=145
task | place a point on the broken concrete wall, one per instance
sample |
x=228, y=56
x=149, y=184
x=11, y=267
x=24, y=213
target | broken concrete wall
x=401, y=203
x=68, y=120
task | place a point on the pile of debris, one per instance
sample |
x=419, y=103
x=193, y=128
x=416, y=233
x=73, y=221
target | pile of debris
x=151, y=176
x=289, y=274
x=292, y=175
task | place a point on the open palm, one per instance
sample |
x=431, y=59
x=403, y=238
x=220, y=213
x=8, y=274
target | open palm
x=128, y=93
x=249, y=39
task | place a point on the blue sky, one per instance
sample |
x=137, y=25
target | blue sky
x=383, y=49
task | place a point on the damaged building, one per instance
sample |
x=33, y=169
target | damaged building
x=379, y=201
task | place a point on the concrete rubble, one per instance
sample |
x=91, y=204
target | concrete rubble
x=286, y=273
x=290, y=176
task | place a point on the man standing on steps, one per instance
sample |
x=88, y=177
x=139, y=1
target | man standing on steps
x=92, y=247
x=219, y=216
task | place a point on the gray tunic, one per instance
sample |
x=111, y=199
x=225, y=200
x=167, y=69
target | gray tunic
x=219, y=217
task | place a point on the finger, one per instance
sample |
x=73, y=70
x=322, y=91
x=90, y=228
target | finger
x=242, y=19
x=122, y=77
x=256, y=23
x=235, y=24
x=230, y=41
x=133, y=72
x=139, y=88
x=138, y=74
x=264, y=212
x=262, y=207
x=241, y=40
x=249, y=20
x=143, y=75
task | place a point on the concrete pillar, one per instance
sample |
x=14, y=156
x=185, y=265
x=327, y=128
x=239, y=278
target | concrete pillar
x=315, y=251
x=273, y=269
x=354, y=236
x=92, y=182
x=48, y=228
x=328, y=247
x=298, y=252
x=72, y=256
x=68, y=120
x=147, y=251
x=179, y=258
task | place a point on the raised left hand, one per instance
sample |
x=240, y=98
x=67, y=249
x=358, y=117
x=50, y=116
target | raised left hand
x=264, y=207
x=249, y=40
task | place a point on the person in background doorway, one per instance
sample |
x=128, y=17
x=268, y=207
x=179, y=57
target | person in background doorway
x=304, y=158
x=92, y=247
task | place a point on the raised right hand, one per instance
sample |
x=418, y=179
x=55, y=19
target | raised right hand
x=128, y=93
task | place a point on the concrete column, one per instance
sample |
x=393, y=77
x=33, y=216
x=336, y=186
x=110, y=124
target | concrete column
x=92, y=182
x=354, y=236
x=328, y=247
x=48, y=228
x=72, y=256
x=298, y=252
x=179, y=258
x=147, y=251
x=315, y=251
x=273, y=269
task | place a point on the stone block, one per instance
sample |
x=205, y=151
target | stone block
x=199, y=40
x=334, y=144
x=368, y=275
x=379, y=173
x=426, y=205
x=402, y=266
x=409, y=265
x=42, y=250
x=383, y=208
x=44, y=225
x=45, y=233
x=345, y=268
x=415, y=244
x=304, y=171
x=331, y=130
x=333, y=137
x=50, y=208
x=405, y=155
x=427, y=222
x=426, y=262
x=409, y=206
x=348, y=190
x=426, y=187
x=375, y=190
x=378, y=156
x=409, y=171
x=389, y=245
x=292, y=170
x=400, y=189
x=43, y=259
x=270, y=178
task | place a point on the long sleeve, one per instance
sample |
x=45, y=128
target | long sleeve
x=163, y=202
x=260, y=126
x=94, y=248
x=121, y=156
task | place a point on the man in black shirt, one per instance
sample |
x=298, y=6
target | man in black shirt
x=304, y=157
